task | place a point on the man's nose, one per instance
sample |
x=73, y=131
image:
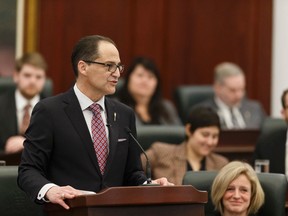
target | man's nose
x=116, y=73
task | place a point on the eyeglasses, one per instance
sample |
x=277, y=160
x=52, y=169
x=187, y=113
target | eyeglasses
x=111, y=67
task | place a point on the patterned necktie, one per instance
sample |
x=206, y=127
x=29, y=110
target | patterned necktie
x=26, y=119
x=99, y=136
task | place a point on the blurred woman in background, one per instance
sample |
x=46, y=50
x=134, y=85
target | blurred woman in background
x=142, y=91
x=194, y=153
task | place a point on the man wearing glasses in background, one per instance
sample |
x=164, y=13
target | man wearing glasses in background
x=235, y=110
x=77, y=141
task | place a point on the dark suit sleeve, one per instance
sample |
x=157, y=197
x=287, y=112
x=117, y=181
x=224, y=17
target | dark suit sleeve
x=34, y=162
x=8, y=118
x=257, y=151
x=271, y=146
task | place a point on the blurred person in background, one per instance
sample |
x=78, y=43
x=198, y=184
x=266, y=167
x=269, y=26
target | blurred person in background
x=234, y=109
x=272, y=146
x=16, y=106
x=194, y=153
x=142, y=91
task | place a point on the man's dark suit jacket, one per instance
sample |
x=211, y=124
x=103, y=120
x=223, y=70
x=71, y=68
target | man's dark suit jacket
x=271, y=146
x=8, y=117
x=252, y=112
x=59, y=148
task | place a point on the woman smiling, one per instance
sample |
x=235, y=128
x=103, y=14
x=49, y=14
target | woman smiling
x=236, y=190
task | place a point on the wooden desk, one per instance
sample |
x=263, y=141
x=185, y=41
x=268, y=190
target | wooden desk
x=11, y=159
x=238, y=144
x=234, y=144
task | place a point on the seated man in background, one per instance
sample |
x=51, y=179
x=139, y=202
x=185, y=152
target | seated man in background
x=194, y=153
x=234, y=109
x=16, y=106
x=273, y=145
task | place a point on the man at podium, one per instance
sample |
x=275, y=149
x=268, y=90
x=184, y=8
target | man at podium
x=78, y=141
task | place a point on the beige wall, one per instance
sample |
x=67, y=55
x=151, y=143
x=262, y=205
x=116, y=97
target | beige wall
x=279, y=80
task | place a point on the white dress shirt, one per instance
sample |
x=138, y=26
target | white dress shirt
x=226, y=116
x=85, y=102
x=21, y=102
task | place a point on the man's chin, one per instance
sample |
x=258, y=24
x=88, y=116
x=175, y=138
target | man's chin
x=111, y=91
x=29, y=94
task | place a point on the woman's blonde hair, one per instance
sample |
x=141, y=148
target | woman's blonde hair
x=226, y=175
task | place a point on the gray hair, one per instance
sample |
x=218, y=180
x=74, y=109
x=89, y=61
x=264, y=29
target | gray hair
x=226, y=69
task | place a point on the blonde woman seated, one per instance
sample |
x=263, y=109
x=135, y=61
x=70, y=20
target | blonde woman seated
x=195, y=153
x=236, y=190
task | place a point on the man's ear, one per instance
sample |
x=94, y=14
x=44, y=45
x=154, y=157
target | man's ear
x=15, y=76
x=187, y=129
x=216, y=87
x=283, y=113
x=82, y=66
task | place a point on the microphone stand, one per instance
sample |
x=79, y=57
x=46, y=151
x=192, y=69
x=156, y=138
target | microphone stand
x=148, y=166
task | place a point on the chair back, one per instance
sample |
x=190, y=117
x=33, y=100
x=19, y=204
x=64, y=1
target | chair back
x=187, y=96
x=270, y=124
x=13, y=201
x=7, y=84
x=202, y=180
x=170, y=134
x=273, y=184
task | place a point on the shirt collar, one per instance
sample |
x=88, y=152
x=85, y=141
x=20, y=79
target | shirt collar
x=85, y=101
x=222, y=105
x=21, y=101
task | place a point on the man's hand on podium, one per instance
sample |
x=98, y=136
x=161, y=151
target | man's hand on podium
x=58, y=194
x=162, y=181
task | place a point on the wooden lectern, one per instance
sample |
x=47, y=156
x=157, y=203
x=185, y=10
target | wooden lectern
x=130, y=201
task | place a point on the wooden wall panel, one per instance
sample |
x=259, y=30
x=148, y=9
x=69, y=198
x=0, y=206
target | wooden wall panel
x=186, y=38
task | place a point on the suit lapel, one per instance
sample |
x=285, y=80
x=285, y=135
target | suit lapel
x=75, y=114
x=112, y=120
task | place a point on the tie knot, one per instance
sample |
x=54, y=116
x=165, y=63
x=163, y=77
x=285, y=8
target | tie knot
x=95, y=108
x=27, y=107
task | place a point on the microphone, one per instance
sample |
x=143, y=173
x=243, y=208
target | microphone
x=148, y=167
